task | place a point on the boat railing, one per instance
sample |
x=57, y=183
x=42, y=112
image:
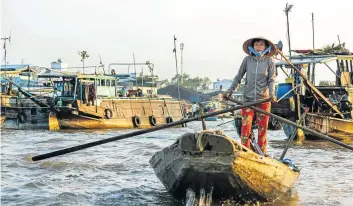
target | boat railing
x=138, y=98
x=150, y=65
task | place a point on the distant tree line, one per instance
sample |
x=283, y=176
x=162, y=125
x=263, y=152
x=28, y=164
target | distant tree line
x=195, y=83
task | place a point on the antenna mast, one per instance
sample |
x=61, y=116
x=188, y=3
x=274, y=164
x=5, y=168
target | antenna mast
x=176, y=66
x=312, y=20
x=5, y=39
x=287, y=10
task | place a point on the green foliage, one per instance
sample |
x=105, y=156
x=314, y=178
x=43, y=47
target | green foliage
x=194, y=83
x=84, y=55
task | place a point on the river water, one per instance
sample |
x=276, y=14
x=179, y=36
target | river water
x=119, y=173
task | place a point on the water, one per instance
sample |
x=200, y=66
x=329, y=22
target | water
x=118, y=173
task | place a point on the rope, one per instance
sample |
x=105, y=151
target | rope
x=200, y=147
x=288, y=162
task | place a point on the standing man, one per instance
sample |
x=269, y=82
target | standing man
x=194, y=108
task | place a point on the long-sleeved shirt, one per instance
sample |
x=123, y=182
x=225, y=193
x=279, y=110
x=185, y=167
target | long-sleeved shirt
x=194, y=107
x=259, y=80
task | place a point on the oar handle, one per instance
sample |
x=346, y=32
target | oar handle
x=138, y=132
x=325, y=137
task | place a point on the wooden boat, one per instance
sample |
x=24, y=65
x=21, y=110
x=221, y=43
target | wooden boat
x=211, y=118
x=92, y=101
x=214, y=162
x=2, y=119
x=331, y=112
x=21, y=111
x=95, y=101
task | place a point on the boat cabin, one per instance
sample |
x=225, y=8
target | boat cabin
x=69, y=87
x=296, y=93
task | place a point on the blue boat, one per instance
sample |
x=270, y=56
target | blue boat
x=211, y=118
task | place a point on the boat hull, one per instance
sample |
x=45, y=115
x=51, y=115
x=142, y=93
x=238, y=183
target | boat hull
x=123, y=112
x=239, y=174
x=83, y=122
x=340, y=129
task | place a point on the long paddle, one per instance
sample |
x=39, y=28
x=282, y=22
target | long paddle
x=325, y=137
x=290, y=140
x=226, y=122
x=139, y=132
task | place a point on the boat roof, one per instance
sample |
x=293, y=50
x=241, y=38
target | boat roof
x=57, y=75
x=54, y=74
x=96, y=76
x=20, y=70
x=308, y=59
x=345, y=57
x=14, y=67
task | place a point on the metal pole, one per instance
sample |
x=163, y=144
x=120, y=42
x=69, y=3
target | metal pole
x=5, y=52
x=312, y=20
x=5, y=49
x=176, y=66
x=142, y=79
x=133, y=55
x=287, y=10
x=181, y=62
x=339, y=41
x=5, y=58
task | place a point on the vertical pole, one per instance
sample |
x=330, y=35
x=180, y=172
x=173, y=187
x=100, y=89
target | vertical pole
x=28, y=82
x=203, y=124
x=96, y=87
x=287, y=10
x=5, y=54
x=181, y=62
x=312, y=20
x=133, y=55
x=339, y=41
x=176, y=66
x=142, y=79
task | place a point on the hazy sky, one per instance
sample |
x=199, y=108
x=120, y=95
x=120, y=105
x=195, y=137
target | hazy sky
x=213, y=31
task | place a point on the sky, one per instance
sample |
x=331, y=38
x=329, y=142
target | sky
x=212, y=31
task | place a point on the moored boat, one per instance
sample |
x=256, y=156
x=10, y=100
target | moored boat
x=330, y=103
x=108, y=101
x=214, y=162
x=211, y=119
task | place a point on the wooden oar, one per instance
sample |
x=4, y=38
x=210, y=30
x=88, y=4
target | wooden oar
x=325, y=137
x=290, y=140
x=139, y=132
x=225, y=122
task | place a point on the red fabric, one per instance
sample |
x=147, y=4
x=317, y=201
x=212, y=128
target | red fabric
x=261, y=121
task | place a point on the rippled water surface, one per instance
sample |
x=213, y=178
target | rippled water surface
x=119, y=173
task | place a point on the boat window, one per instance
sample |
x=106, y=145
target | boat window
x=33, y=111
x=98, y=82
x=68, y=87
x=102, y=82
x=113, y=83
x=108, y=83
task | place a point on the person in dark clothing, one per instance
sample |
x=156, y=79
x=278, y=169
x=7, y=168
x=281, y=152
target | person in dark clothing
x=91, y=94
